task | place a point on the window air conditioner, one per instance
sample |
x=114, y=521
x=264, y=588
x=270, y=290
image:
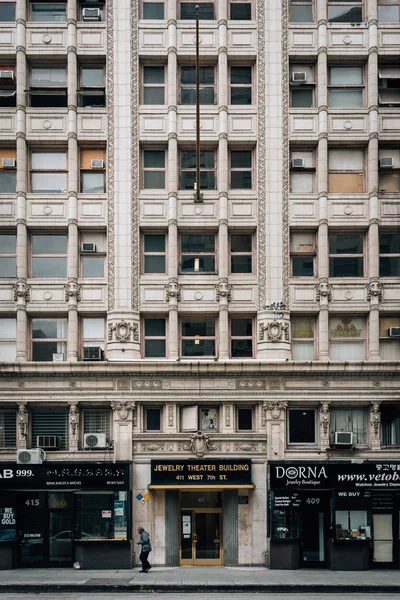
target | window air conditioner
x=298, y=163
x=91, y=14
x=92, y=353
x=97, y=163
x=7, y=75
x=8, y=163
x=299, y=77
x=88, y=247
x=94, y=440
x=31, y=457
x=387, y=161
x=50, y=442
x=394, y=332
x=343, y=438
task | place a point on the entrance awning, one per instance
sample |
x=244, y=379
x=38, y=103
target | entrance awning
x=203, y=488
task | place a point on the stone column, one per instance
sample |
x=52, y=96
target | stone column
x=22, y=425
x=375, y=425
x=73, y=421
x=323, y=296
x=276, y=435
x=325, y=425
x=374, y=294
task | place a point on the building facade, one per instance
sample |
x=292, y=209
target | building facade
x=166, y=362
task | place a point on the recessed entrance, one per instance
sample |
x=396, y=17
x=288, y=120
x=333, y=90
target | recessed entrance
x=201, y=535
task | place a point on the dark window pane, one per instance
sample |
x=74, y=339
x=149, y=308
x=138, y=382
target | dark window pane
x=7, y=11
x=301, y=14
x=206, y=95
x=153, y=74
x=8, y=181
x=302, y=266
x=8, y=267
x=153, y=10
x=241, y=243
x=154, y=264
x=44, y=351
x=93, y=183
x=153, y=95
x=154, y=327
x=188, y=179
x=206, y=264
x=302, y=98
x=154, y=243
x=92, y=77
x=241, y=264
x=8, y=244
x=92, y=98
x=188, y=159
x=188, y=10
x=346, y=267
x=346, y=244
x=93, y=266
x=344, y=14
x=49, y=328
x=302, y=426
x=202, y=328
x=154, y=349
x=240, y=159
x=49, y=12
x=49, y=244
x=389, y=243
x=245, y=418
x=153, y=419
x=154, y=159
x=241, y=348
x=154, y=180
x=240, y=11
x=206, y=75
x=198, y=347
x=197, y=243
x=241, y=75
x=241, y=327
x=49, y=267
x=241, y=95
x=241, y=180
x=389, y=266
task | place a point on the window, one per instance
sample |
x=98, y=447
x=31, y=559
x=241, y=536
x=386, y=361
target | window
x=198, y=253
x=154, y=253
x=188, y=10
x=194, y=418
x=206, y=85
x=303, y=254
x=340, y=11
x=301, y=11
x=155, y=341
x=302, y=171
x=90, y=509
x=390, y=425
x=302, y=83
x=8, y=88
x=350, y=419
x=7, y=12
x=239, y=10
x=347, y=339
x=48, y=86
x=389, y=11
x=389, y=344
x=389, y=171
x=92, y=91
x=153, y=84
x=49, y=338
x=153, y=10
x=346, y=255
x=389, y=254
x=92, y=254
x=46, y=12
x=303, y=338
x=188, y=169
x=8, y=335
x=48, y=172
x=97, y=420
x=241, y=253
x=93, y=336
x=50, y=424
x=242, y=337
x=198, y=338
x=8, y=175
x=301, y=426
x=241, y=85
x=8, y=255
x=49, y=255
x=8, y=428
x=352, y=524
x=154, y=169
x=244, y=418
x=92, y=171
x=389, y=86
x=152, y=419
x=241, y=170
x=346, y=171
x=345, y=87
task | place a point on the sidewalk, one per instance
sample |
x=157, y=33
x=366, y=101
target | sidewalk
x=205, y=579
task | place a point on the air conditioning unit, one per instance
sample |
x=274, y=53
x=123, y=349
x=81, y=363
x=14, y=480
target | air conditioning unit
x=97, y=163
x=394, y=332
x=91, y=14
x=9, y=163
x=343, y=438
x=386, y=161
x=298, y=163
x=7, y=75
x=88, y=247
x=50, y=442
x=92, y=353
x=31, y=457
x=94, y=440
x=299, y=77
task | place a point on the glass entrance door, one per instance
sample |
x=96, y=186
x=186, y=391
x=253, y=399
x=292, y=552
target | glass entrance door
x=383, y=539
x=201, y=537
x=314, y=534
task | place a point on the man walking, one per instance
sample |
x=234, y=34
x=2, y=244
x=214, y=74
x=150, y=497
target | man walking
x=146, y=549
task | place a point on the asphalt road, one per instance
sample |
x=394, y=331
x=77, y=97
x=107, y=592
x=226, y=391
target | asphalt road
x=204, y=596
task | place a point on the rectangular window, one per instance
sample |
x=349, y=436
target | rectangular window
x=389, y=86
x=90, y=511
x=303, y=338
x=92, y=171
x=302, y=172
x=198, y=253
x=48, y=172
x=389, y=170
x=209, y=418
x=389, y=342
x=92, y=91
x=241, y=85
x=8, y=180
x=46, y=12
x=7, y=12
x=206, y=85
x=389, y=254
x=346, y=171
x=345, y=87
x=152, y=419
x=49, y=255
x=350, y=419
x=8, y=429
x=97, y=420
x=239, y=10
x=154, y=169
x=194, y=418
x=302, y=83
x=244, y=419
x=198, y=338
x=8, y=255
x=301, y=11
x=8, y=343
x=389, y=11
x=48, y=86
x=241, y=253
x=50, y=423
x=340, y=11
x=390, y=425
x=153, y=84
x=302, y=426
x=93, y=255
x=188, y=10
x=93, y=337
x=241, y=337
x=346, y=255
x=188, y=170
x=155, y=337
x=8, y=89
x=241, y=170
x=303, y=254
x=347, y=338
x=154, y=253
x=153, y=10
x=49, y=338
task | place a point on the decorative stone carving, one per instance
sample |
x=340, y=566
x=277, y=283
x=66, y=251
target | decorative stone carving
x=275, y=384
x=375, y=424
x=73, y=418
x=72, y=290
x=123, y=407
x=110, y=175
x=223, y=290
x=227, y=416
x=135, y=151
x=22, y=425
x=173, y=290
x=275, y=331
x=123, y=384
x=152, y=447
x=323, y=290
x=170, y=416
x=147, y=384
x=325, y=421
x=246, y=447
x=199, y=444
x=275, y=407
x=123, y=331
x=374, y=290
x=22, y=290
x=250, y=383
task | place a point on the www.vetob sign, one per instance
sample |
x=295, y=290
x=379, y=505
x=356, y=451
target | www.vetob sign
x=344, y=475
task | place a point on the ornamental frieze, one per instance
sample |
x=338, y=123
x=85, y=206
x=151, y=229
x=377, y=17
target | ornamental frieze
x=123, y=331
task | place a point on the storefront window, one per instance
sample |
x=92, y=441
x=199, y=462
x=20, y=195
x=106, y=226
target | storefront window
x=352, y=525
x=286, y=520
x=8, y=527
x=101, y=515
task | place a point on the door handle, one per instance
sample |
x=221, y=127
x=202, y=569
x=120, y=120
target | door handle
x=195, y=538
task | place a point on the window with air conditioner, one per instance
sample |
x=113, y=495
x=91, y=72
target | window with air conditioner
x=92, y=171
x=93, y=260
x=389, y=337
x=97, y=421
x=49, y=425
x=389, y=171
x=302, y=171
x=302, y=85
x=93, y=338
x=352, y=420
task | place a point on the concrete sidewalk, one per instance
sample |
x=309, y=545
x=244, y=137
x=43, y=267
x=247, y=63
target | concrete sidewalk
x=205, y=579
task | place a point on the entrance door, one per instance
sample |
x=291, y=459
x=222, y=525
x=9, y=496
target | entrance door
x=383, y=539
x=314, y=534
x=201, y=537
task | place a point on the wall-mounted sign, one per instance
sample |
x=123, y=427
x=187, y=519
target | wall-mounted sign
x=106, y=514
x=201, y=472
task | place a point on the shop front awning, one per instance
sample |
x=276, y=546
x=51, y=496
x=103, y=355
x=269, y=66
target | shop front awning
x=202, y=488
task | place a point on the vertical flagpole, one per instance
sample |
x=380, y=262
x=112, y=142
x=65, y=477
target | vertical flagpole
x=197, y=195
